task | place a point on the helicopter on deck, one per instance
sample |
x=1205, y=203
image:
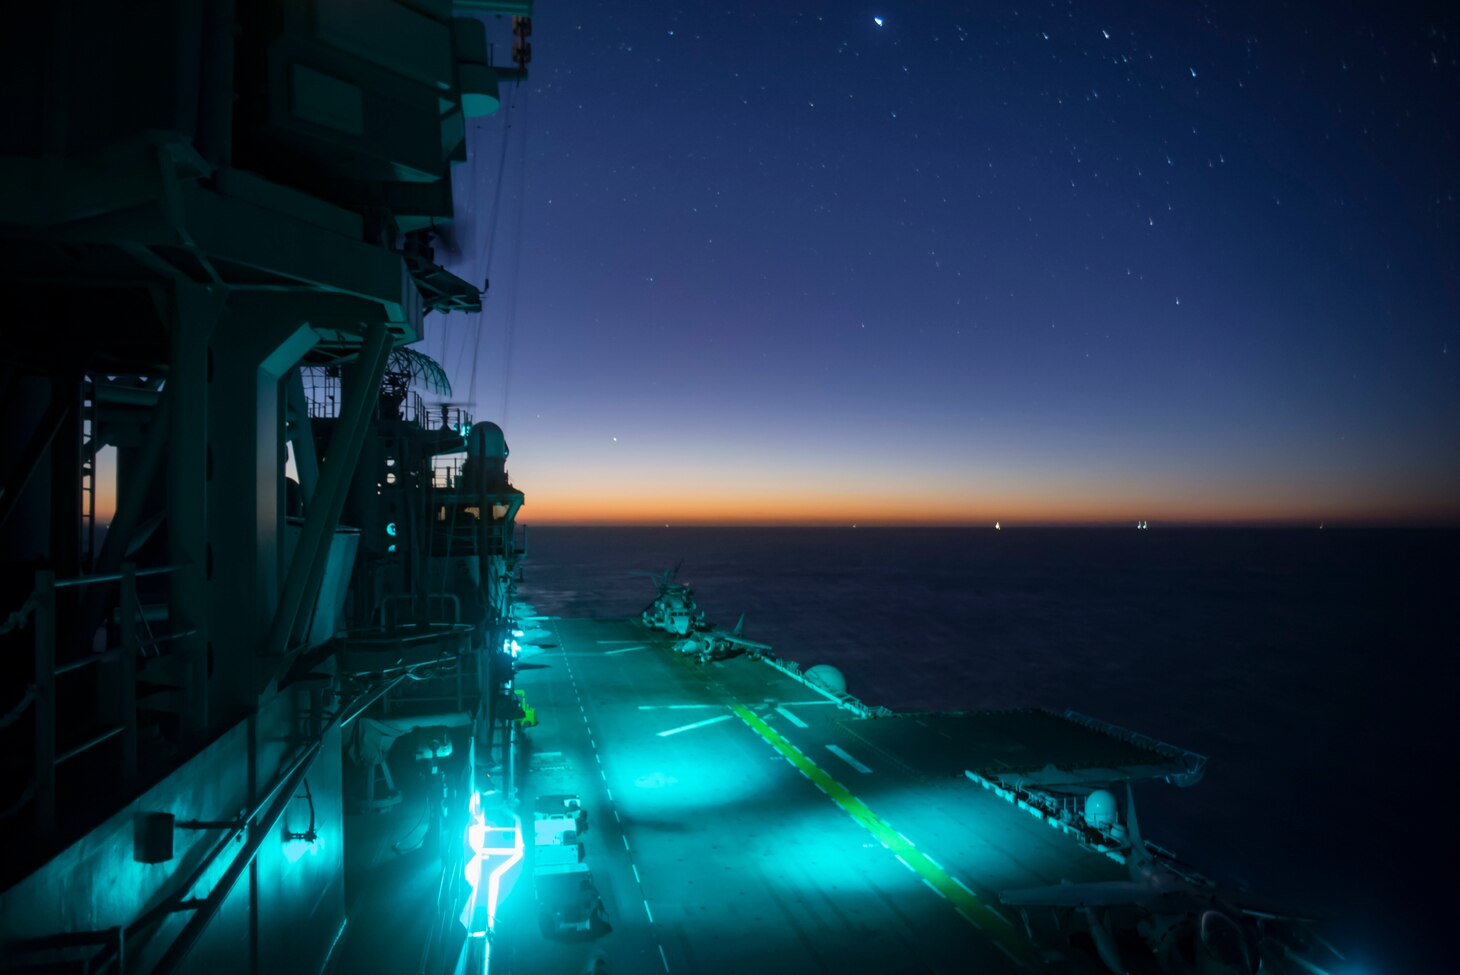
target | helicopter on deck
x=674, y=609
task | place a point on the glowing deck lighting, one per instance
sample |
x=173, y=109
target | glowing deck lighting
x=476, y=836
x=697, y=724
x=967, y=905
x=841, y=753
x=791, y=718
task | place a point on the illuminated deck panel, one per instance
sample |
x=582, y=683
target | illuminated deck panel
x=740, y=821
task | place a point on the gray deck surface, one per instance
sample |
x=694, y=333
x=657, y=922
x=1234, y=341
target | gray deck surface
x=713, y=852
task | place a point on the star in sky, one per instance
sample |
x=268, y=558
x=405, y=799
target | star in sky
x=694, y=238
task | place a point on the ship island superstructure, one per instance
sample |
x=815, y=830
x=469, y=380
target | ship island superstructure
x=285, y=712
x=218, y=223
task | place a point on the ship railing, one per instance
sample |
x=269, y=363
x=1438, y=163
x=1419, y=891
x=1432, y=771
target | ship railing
x=40, y=697
x=403, y=406
x=243, y=837
x=842, y=699
x=1066, y=814
x=1049, y=810
x=448, y=415
x=441, y=607
x=446, y=471
x=458, y=695
x=413, y=410
x=321, y=391
x=436, y=416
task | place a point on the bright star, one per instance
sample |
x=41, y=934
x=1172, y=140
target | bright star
x=877, y=21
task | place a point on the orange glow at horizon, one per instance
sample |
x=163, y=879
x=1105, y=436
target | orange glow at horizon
x=691, y=501
x=679, y=511
x=1011, y=509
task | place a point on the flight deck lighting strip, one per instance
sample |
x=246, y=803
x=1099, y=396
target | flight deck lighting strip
x=994, y=925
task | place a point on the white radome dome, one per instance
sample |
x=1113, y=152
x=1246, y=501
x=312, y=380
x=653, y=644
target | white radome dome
x=828, y=677
x=1100, y=810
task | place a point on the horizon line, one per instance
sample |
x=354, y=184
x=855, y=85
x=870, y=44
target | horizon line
x=1286, y=523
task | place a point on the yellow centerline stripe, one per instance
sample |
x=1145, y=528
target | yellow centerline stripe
x=969, y=907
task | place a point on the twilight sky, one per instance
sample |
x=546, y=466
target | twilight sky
x=1028, y=263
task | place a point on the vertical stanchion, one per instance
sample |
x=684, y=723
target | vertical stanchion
x=45, y=702
x=128, y=677
x=460, y=679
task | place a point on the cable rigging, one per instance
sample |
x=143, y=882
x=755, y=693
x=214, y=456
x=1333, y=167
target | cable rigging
x=510, y=319
x=490, y=251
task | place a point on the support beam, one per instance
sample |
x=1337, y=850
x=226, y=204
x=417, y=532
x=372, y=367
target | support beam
x=194, y=313
x=306, y=569
x=253, y=349
x=127, y=678
x=305, y=461
x=45, y=703
x=12, y=484
x=119, y=542
x=66, y=505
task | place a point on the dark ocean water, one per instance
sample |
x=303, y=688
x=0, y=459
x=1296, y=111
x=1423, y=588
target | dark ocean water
x=1314, y=668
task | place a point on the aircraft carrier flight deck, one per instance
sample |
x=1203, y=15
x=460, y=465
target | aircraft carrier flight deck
x=739, y=819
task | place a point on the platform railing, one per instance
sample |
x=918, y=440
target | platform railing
x=842, y=699
x=446, y=470
x=242, y=836
x=40, y=698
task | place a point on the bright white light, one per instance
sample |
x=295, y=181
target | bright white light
x=473, y=871
x=877, y=21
